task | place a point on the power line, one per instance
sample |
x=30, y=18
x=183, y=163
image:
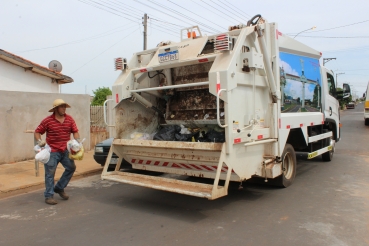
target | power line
x=234, y=9
x=195, y=14
x=231, y=12
x=112, y=8
x=118, y=12
x=197, y=2
x=219, y=10
x=116, y=7
x=151, y=26
x=79, y=41
x=353, y=69
x=340, y=26
x=162, y=12
x=357, y=74
x=332, y=37
x=88, y=3
x=139, y=11
x=290, y=34
x=104, y=51
x=167, y=22
x=170, y=30
x=185, y=16
x=349, y=49
x=176, y=35
x=150, y=14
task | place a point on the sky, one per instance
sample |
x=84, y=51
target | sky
x=86, y=35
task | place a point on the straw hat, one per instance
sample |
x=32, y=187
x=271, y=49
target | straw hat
x=57, y=103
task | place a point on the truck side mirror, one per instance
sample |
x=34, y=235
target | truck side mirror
x=346, y=90
x=339, y=96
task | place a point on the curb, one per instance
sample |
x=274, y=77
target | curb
x=38, y=185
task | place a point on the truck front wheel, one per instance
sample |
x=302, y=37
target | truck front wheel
x=367, y=122
x=328, y=156
x=288, y=167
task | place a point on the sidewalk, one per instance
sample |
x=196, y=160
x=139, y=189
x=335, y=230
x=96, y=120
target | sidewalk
x=20, y=177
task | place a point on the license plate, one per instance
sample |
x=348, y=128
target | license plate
x=169, y=56
x=113, y=160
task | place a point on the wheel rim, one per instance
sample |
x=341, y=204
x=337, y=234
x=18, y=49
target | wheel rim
x=288, y=165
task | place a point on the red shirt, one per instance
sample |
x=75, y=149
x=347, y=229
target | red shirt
x=57, y=134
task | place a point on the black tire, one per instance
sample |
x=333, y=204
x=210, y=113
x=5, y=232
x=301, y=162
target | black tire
x=328, y=156
x=288, y=167
x=367, y=122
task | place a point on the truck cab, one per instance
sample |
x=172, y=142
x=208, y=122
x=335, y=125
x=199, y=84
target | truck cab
x=330, y=104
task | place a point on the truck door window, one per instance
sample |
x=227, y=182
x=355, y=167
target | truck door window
x=331, y=85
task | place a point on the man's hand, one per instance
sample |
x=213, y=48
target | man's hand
x=41, y=143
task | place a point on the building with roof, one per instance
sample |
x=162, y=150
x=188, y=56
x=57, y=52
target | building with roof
x=27, y=91
x=19, y=74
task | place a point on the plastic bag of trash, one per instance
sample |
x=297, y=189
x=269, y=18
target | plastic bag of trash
x=183, y=137
x=215, y=136
x=38, y=148
x=167, y=133
x=184, y=130
x=43, y=153
x=43, y=156
x=73, y=146
x=141, y=136
x=78, y=155
x=75, y=149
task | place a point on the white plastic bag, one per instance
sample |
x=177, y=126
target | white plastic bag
x=73, y=146
x=75, y=149
x=43, y=153
x=38, y=148
x=184, y=130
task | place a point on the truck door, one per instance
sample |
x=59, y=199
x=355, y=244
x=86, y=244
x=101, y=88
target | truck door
x=331, y=105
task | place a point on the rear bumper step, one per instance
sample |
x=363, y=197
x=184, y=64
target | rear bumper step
x=160, y=183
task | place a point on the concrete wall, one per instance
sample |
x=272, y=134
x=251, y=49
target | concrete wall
x=16, y=78
x=22, y=111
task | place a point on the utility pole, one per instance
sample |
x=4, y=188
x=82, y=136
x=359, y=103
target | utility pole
x=145, y=31
x=325, y=60
x=336, y=78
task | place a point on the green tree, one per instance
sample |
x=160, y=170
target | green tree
x=100, y=96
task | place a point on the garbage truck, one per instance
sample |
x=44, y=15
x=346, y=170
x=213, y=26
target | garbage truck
x=222, y=108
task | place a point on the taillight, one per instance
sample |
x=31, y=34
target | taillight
x=120, y=63
x=222, y=42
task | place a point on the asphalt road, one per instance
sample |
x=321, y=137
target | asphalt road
x=328, y=204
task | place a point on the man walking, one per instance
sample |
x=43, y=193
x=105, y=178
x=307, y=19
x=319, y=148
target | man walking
x=58, y=128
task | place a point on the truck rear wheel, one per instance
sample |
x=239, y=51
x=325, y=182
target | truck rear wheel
x=288, y=167
x=328, y=156
x=367, y=122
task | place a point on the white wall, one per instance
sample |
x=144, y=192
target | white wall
x=21, y=111
x=16, y=78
